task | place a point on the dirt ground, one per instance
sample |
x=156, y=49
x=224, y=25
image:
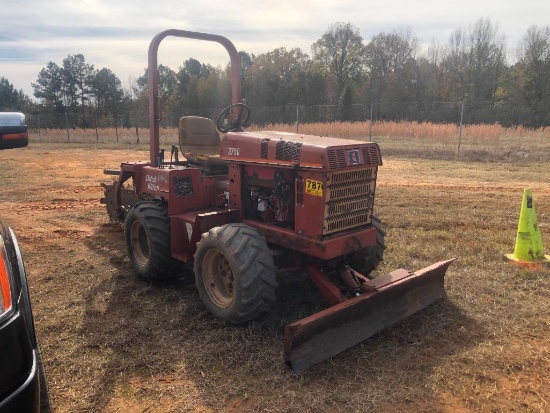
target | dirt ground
x=113, y=343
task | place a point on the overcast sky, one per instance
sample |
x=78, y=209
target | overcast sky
x=116, y=33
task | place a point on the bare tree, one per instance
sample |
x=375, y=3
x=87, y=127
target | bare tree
x=472, y=67
x=391, y=63
x=536, y=58
x=76, y=75
x=486, y=59
x=529, y=80
x=340, y=50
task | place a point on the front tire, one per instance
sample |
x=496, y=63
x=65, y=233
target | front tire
x=370, y=258
x=234, y=273
x=147, y=230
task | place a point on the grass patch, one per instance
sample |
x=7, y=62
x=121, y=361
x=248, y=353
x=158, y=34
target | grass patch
x=114, y=343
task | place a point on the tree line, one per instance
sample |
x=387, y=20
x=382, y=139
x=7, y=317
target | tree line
x=389, y=73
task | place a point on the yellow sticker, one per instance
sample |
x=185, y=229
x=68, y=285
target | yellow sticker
x=314, y=187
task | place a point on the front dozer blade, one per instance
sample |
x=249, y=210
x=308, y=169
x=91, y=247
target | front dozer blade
x=393, y=297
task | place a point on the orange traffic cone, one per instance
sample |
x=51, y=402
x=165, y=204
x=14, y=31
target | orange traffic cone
x=528, y=247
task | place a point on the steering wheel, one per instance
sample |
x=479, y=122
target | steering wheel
x=226, y=123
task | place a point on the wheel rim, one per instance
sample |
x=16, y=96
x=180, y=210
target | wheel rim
x=218, y=278
x=140, y=243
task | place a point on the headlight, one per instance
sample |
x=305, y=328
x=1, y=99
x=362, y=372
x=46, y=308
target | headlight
x=6, y=302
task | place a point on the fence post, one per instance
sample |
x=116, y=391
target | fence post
x=39, y=125
x=297, y=119
x=67, y=125
x=460, y=128
x=116, y=126
x=370, y=124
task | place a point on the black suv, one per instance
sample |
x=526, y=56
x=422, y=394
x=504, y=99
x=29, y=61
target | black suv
x=23, y=385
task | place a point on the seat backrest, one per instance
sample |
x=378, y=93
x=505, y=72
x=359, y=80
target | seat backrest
x=198, y=135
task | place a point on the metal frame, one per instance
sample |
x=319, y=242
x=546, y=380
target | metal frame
x=155, y=103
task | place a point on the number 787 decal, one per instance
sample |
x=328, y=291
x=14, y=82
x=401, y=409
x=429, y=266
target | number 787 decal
x=314, y=188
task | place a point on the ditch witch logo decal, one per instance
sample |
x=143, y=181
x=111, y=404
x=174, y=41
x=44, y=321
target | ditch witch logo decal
x=354, y=157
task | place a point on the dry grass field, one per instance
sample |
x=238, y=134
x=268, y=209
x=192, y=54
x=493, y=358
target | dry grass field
x=428, y=140
x=113, y=343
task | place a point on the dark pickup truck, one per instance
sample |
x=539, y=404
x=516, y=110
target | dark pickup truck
x=23, y=385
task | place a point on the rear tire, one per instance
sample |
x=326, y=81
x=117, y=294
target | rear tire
x=147, y=230
x=370, y=258
x=234, y=273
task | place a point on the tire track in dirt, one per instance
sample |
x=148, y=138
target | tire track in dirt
x=53, y=204
x=90, y=189
x=462, y=188
x=49, y=231
x=30, y=237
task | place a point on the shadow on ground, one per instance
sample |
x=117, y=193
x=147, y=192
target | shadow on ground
x=155, y=343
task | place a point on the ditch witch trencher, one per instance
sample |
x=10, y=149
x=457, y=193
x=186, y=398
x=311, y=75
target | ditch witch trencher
x=243, y=206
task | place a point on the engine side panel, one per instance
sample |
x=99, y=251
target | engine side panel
x=186, y=188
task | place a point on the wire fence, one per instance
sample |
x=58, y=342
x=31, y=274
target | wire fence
x=293, y=116
x=474, y=112
x=364, y=119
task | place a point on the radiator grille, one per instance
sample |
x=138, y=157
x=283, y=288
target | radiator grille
x=287, y=151
x=263, y=148
x=349, y=199
x=336, y=158
x=371, y=155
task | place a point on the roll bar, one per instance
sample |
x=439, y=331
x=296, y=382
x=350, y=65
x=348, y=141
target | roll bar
x=155, y=103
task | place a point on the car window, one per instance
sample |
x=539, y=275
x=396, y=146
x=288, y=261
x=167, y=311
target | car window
x=12, y=119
